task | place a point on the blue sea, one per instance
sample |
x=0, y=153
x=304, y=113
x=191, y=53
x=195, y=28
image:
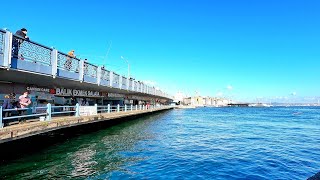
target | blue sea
x=201, y=143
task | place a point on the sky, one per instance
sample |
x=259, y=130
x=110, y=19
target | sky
x=245, y=50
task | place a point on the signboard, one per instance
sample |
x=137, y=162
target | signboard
x=88, y=110
x=36, y=89
x=75, y=92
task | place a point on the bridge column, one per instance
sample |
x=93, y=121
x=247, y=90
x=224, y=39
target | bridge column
x=7, y=51
x=128, y=83
x=120, y=82
x=132, y=85
x=99, y=70
x=81, y=70
x=54, y=63
x=111, y=78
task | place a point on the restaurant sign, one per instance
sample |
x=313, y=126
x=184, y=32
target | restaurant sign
x=37, y=89
x=76, y=92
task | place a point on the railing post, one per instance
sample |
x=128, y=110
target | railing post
x=118, y=108
x=128, y=83
x=96, y=106
x=120, y=82
x=7, y=51
x=77, y=114
x=140, y=107
x=111, y=78
x=99, y=70
x=49, y=109
x=131, y=107
x=54, y=63
x=108, y=108
x=125, y=108
x=132, y=87
x=1, y=118
x=136, y=107
x=81, y=70
x=143, y=107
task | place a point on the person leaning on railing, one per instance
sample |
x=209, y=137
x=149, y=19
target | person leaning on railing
x=24, y=102
x=68, y=62
x=16, y=42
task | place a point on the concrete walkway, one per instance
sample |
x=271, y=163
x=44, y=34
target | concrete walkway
x=18, y=131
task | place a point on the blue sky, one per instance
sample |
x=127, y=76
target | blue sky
x=241, y=49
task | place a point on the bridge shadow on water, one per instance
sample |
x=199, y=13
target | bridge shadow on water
x=20, y=148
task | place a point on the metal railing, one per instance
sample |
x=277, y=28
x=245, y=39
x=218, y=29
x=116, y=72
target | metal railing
x=116, y=78
x=68, y=63
x=124, y=82
x=46, y=113
x=105, y=75
x=31, y=51
x=90, y=70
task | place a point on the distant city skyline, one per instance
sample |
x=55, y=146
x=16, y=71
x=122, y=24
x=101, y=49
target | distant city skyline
x=244, y=50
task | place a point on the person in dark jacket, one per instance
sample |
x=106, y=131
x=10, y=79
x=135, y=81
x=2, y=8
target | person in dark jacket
x=7, y=105
x=17, y=41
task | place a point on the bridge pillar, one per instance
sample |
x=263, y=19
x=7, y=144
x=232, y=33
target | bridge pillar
x=120, y=82
x=81, y=70
x=128, y=83
x=7, y=52
x=132, y=85
x=54, y=63
x=111, y=78
x=99, y=70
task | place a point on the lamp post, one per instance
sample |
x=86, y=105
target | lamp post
x=128, y=65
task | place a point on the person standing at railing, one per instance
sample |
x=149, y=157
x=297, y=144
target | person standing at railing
x=16, y=42
x=24, y=102
x=68, y=63
x=7, y=104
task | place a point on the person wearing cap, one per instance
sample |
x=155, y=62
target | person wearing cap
x=18, y=39
x=68, y=63
x=24, y=102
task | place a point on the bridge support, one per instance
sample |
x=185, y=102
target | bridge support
x=99, y=70
x=7, y=52
x=54, y=63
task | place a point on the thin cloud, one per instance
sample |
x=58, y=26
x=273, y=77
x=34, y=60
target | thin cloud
x=229, y=87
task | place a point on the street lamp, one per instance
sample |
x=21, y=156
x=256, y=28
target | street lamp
x=128, y=65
